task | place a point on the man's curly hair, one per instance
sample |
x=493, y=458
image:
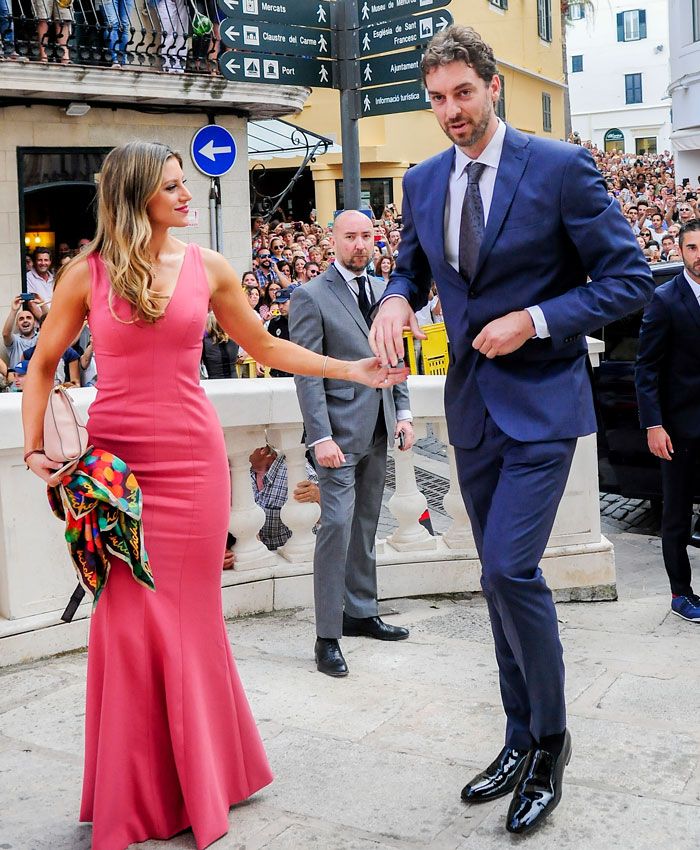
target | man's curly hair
x=459, y=44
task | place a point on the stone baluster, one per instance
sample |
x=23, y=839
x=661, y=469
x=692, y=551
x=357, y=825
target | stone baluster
x=299, y=517
x=459, y=534
x=408, y=504
x=247, y=518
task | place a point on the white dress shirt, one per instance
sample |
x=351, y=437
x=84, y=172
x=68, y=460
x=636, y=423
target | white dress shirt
x=693, y=285
x=43, y=288
x=350, y=279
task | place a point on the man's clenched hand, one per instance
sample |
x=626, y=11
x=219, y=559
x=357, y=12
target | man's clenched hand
x=505, y=335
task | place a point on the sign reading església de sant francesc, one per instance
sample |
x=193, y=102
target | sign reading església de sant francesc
x=408, y=32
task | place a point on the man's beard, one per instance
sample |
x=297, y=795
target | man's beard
x=357, y=263
x=478, y=131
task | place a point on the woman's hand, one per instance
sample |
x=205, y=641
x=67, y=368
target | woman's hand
x=43, y=467
x=371, y=373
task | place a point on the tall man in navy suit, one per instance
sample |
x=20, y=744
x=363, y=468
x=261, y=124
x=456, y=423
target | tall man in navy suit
x=668, y=390
x=517, y=393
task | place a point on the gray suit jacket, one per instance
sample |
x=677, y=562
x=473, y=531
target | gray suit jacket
x=324, y=317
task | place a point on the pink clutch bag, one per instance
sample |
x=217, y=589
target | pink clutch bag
x=65, y=434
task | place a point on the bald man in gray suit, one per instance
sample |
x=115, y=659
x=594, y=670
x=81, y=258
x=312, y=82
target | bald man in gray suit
x=346, y=430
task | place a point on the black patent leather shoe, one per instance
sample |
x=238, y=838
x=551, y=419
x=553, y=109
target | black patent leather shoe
x=499, y=778
x=329, y=658
x=372, y=627
x=539, y=791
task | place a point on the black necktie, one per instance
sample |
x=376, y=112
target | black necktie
x=362, y=300
x=471, y=230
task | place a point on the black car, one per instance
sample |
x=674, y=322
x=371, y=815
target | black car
x=625, y=465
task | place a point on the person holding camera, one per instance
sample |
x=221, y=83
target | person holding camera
x=21, y=327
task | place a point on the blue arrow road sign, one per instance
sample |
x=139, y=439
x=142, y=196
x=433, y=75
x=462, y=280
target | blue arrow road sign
x=213, y=150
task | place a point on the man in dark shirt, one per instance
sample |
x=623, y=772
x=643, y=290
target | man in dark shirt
x=279, y=326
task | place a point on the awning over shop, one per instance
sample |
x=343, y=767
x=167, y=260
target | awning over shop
x=274, y=137
x=686, y=140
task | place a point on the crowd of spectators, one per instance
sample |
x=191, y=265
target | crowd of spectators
x=170, y=35
x=286, y=254
x=653, y=203
x=22, y=325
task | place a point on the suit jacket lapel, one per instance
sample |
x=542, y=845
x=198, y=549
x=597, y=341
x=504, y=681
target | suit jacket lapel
x=689, y=299
x=514, y=157
x=441, y=185
x=340, y=289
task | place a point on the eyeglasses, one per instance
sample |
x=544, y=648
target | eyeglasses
x=684, y=209
x=263, y=256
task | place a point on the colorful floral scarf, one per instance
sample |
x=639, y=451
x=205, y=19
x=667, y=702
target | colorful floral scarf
x=101, y=504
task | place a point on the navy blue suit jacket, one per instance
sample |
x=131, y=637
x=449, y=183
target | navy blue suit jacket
x=667, y=374
x=551, y=224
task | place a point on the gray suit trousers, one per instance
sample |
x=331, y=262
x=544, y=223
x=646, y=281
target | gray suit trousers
x=345, y=565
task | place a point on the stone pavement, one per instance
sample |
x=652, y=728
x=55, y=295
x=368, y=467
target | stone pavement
x=376, y=761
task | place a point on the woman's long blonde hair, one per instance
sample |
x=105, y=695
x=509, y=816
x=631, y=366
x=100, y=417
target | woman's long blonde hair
x=214, y=330
x=131, y=175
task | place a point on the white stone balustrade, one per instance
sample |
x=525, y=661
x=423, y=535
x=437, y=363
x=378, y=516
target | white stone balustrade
x=408, y=504
x=36, y=577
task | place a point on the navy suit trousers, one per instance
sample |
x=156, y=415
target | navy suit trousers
x=512, y=491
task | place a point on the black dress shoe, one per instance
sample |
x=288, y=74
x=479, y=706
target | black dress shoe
x=372, y=627
x=329, y=658
x=499, y=778
x=539, y=791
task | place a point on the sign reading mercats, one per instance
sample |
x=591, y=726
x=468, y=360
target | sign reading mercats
x=300, y=13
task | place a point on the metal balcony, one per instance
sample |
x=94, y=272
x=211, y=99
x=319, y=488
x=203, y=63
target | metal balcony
x=144, y=54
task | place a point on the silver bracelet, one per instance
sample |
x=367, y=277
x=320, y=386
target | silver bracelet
x=325, y=363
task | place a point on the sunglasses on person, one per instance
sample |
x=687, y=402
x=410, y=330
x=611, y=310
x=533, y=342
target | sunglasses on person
x=263, y=256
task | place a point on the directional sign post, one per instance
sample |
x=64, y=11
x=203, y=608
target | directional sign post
x=384, y=100
x=408, y=32
x=276, y=70
x=387, y=10
x=295, y=42
x=300, y=13
x=263, y=37
x=213, y=150
x=394, y=68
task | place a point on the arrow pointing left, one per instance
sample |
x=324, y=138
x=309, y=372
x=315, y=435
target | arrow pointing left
x=211, y=152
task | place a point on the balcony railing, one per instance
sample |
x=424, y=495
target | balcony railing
x=36, y=577
x=166, y=35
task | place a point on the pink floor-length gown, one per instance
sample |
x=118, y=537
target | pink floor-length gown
x=170, y=739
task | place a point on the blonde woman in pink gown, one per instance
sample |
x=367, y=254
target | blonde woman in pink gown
x=170, y=741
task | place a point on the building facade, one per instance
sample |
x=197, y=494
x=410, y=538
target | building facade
x=527, y=40
x=618, y=70
x=684, y=20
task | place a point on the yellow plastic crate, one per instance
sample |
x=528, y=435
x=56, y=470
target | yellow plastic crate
x=433, y=349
